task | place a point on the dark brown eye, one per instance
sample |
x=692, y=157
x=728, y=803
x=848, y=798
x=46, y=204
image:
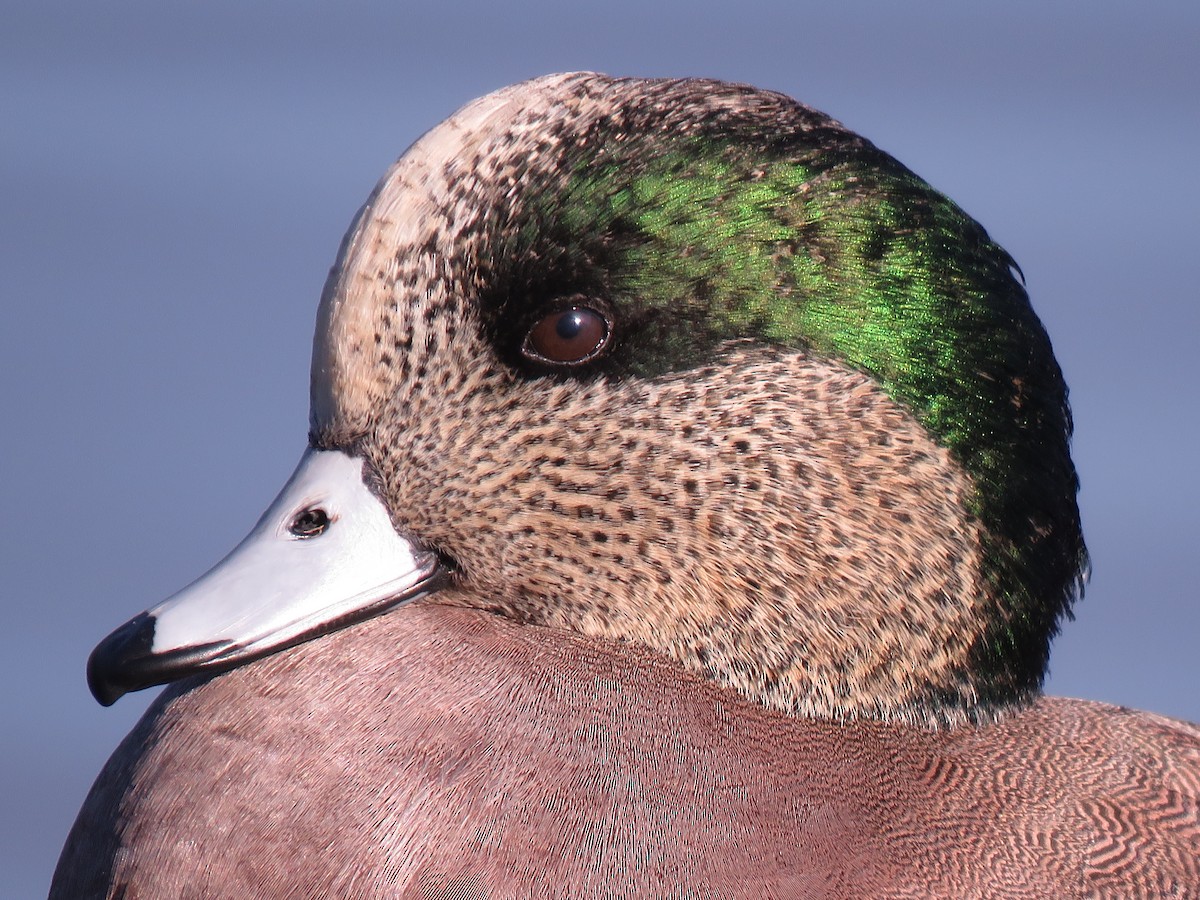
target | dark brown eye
x=309, y=523
x=569, y=336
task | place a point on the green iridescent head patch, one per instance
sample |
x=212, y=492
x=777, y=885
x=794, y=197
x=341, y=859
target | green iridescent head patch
x=796, y=232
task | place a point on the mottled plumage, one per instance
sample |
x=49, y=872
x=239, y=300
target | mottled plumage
x=753, y=598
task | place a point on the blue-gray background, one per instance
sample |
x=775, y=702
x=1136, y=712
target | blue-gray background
x=174, y=183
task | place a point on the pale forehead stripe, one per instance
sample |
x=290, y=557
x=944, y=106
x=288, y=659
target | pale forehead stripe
x=399, y=214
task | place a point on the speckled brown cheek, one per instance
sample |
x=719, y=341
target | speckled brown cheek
x=707, y=514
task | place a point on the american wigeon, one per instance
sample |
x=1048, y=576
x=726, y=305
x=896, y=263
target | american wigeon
x=687, y=512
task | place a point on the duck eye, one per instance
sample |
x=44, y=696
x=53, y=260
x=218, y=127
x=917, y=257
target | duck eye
x=309, y=523
x=570, y=336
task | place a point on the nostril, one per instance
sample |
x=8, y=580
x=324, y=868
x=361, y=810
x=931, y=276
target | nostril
x=310, y=522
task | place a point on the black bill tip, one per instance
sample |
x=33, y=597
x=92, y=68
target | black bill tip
x=125, y=661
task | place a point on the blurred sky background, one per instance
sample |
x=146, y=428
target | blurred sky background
x=175, y=178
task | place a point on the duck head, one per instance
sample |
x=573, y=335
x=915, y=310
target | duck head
x=680, y=363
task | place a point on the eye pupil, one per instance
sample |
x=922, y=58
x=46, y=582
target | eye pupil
x=570, y=336
x=309, y=523
x=569, y=325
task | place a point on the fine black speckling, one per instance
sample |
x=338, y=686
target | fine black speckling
x=700, y=218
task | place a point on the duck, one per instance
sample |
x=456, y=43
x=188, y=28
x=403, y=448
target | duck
x=687, y=511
